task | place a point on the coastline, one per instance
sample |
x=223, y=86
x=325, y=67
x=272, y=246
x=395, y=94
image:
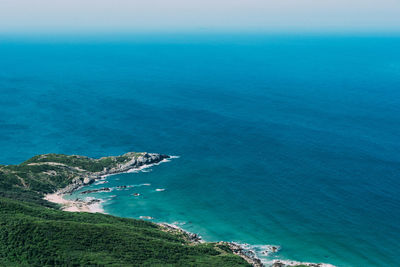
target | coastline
x=93, y=205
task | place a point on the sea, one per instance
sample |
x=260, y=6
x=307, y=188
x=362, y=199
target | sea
x=290, y=140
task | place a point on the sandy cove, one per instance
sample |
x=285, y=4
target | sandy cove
x=92, y=206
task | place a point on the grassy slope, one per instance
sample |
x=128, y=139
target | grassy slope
x=35, y=233
x=43, y=174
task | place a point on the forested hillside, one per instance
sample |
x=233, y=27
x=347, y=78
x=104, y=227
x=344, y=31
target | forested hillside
x=34, y=232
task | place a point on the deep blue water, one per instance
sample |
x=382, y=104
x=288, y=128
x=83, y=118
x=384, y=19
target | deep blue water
x=292, y=141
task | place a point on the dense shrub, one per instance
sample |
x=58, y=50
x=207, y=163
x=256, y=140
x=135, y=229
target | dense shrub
x=34, y=232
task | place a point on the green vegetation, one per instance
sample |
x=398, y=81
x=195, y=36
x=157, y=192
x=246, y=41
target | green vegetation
x=46, y=173
x=34, y=232
x=33, y=235
x=85, y=163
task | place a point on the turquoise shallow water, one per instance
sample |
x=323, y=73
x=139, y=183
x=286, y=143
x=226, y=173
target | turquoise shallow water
x=291, y=141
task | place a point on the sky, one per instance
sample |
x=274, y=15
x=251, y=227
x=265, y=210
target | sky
x=199, y=15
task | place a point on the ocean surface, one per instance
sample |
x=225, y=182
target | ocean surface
x=285, y=140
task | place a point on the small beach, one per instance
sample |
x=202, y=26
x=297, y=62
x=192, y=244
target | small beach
x=75, y=206
x=91, y=204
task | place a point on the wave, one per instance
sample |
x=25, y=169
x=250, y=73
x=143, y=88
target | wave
x=100, y=182
x=144, y=167
x=296, y=263
x=268, y=256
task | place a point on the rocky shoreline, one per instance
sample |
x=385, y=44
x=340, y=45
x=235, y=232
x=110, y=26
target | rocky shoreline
x=287, y=263
x=246, y=254
x=237, y=249
x=135, y=162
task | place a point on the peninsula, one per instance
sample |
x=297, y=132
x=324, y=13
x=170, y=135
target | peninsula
x=36, y=230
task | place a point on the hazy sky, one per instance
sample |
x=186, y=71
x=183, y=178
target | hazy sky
x=202, y=15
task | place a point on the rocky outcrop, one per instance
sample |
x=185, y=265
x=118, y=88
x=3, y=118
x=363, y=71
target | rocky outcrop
x=237, y=249
x=104, y=189
x=188, y=236
x=248, y=255
x=133, y=161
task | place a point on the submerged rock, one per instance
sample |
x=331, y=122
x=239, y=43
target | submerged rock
x=105, y=189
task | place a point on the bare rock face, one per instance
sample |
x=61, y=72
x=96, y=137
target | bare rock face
x=131, y=161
